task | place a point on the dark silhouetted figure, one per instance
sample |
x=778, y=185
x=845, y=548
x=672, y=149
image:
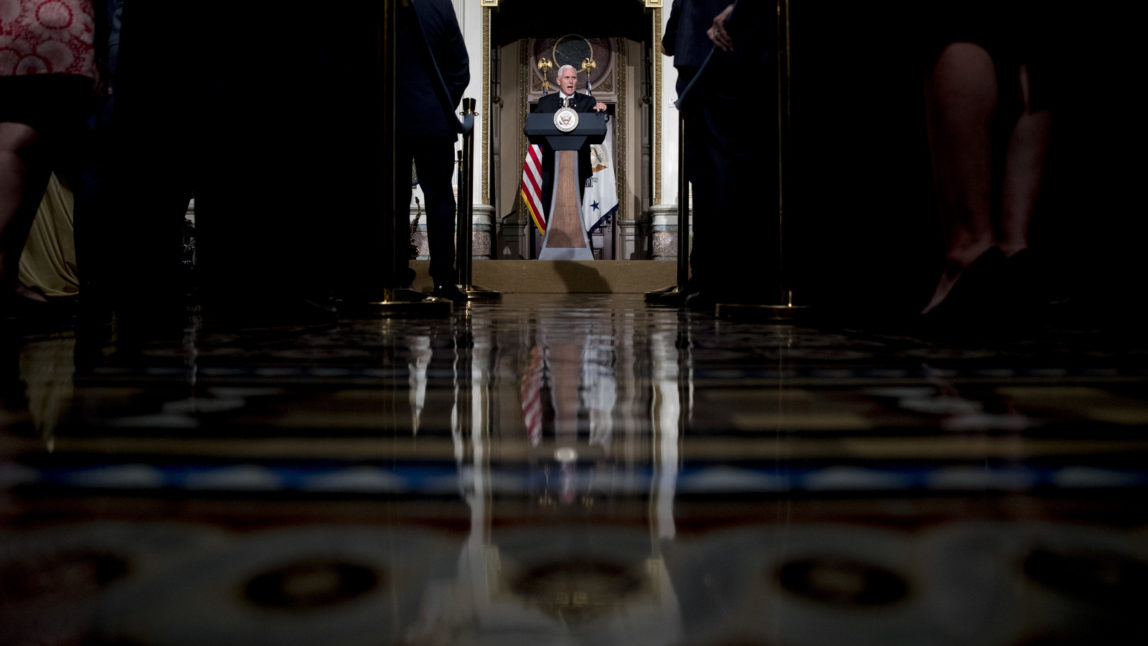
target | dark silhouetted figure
x=433, y=71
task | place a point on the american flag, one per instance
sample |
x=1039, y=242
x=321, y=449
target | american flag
x=531, y=384
x=532, y=186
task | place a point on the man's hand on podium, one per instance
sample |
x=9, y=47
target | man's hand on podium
x=599, y=107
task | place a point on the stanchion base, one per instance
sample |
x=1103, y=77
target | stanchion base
x=476, y=293
x=404, y=303
x=761, y=313
x=670, y=296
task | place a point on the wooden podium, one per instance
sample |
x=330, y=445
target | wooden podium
x=565, y=234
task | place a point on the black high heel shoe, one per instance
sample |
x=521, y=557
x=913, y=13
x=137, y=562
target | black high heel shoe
x=1031, y=285
x=975, y=299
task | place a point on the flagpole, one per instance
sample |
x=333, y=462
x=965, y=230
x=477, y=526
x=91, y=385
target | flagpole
x=785, y=286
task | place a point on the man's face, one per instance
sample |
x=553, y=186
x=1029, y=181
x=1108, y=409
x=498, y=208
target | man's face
x=567, y=80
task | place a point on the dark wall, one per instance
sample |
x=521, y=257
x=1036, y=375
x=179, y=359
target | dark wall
x=860, y=198
x=518, y=19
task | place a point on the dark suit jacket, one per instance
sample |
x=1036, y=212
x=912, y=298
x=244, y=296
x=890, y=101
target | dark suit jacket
x=751, y=27
x=685, y=38
x=550, y=104
x=433, y=69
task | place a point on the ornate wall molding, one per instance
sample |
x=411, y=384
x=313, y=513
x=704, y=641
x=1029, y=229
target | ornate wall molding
x=657, y=99
x=486, y=105
x=620, y=132
x=604, y=79
x=523, y=101
x=620, y=78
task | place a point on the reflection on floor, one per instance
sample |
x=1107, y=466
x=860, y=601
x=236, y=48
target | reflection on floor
x=574, y=469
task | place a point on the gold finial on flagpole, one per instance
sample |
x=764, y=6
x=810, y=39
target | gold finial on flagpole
x=587, y=65
x=544, y=66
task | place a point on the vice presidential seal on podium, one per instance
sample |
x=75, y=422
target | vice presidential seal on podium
x=566, y=119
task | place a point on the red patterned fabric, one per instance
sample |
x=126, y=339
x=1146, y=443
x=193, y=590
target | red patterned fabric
x=47, y=37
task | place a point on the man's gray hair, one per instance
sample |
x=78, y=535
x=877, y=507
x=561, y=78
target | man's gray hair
x=559, y=72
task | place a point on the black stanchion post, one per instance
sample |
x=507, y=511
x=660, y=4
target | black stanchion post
x=387, y=46
x=683, y=210
x=464, y=217
x=464, y=253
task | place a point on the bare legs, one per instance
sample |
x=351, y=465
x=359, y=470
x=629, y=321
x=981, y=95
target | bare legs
x=962, y=102
x=24, y=173
x=1024, y=169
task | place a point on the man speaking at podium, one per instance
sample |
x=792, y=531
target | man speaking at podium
x=567, y=80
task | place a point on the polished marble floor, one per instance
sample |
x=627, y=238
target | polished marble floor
x=574, y=469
